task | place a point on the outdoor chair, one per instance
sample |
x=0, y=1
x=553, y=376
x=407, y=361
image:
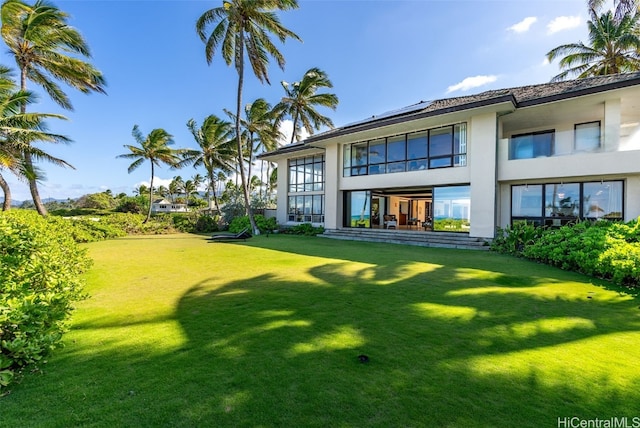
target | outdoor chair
x=242, y=235
x=390, y=221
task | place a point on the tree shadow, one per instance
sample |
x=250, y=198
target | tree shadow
x=450, y=343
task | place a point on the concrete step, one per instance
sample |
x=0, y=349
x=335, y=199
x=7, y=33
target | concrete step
x=408, y=237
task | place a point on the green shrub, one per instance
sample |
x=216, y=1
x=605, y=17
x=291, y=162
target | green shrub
x=609, y=250
x=207, y=224
x=306, y=229
x=265, y=225
x=513, y=239
x=40, y=280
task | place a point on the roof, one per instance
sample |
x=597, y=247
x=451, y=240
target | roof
x=522, y=96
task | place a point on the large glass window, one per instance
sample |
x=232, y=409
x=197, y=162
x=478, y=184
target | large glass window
x=306, y=175
x=357, y=209
x=562, y=200
x=602, y=200
x=435, y=148
x=526, y=201
x=532, y=145
x=587, y=136
x=452, y=208
x=555, y=204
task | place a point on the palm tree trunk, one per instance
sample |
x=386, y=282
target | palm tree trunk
x=150, y=194
x=6, y=205
x=33, y=185
x=295, y=123
x=243, y=179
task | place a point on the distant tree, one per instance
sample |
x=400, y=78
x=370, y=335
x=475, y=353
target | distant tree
x=216, y=150
x=99, y=201
x=301, y=99
x=613, y=48
x=154, y=148
x=46, y=49
x=241, y=28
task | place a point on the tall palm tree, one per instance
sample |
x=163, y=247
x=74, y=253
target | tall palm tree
x=189, y=189
x=216, y=149
x=46, y=48
x=18, y=130
x=242, y=28
x=301, y=99
x=613, y=48
x=260, y=130
x=621, y=7
x=155, y=148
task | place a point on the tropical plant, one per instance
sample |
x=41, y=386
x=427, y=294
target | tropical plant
x=46, y=48
x=155, y=148
x=241, y=28
x=18, y=130
x=301, y=99
x=261, y=131
x=613, y=48
x=621, y=7
x=216, y=151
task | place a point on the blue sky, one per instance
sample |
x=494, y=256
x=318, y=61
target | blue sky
x=380, y=55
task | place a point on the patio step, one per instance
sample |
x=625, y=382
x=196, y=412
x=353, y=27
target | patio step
x=408, y=237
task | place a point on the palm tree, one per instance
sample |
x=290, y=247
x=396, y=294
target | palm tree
x=189, y=189
x=154, y=148
x=175, y=187
x=300, y=101
x=242, y=27
x=46, y=49
x=216, y=151
x=18, y=130
x=622, y=7
x=260, y=130
x=613, y=48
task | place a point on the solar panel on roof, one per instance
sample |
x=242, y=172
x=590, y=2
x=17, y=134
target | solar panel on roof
x=404, y=110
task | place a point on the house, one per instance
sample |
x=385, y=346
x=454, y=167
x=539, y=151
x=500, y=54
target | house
x=164, y=206
x=548, y=154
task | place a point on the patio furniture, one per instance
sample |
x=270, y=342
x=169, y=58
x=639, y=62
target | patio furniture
x=242, y=235
x=390, y=221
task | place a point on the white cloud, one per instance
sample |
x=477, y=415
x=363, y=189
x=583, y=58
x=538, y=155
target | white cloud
x=562, y=23
x=472, y=82
x=524, y=25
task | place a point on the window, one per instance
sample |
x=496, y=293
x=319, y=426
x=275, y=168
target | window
x=452, y=208
x=587, y=136
x=435, y=148
x=306, y=209
x=555, y=204
x=533, y=145
x=602, y=200
x=306, y=175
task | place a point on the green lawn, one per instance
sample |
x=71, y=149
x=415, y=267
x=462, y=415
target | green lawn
x=182, y=332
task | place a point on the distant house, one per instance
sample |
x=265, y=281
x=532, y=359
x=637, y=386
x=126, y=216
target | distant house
x=549, y=154
x=164, y=206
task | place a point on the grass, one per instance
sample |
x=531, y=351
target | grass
x=182, y=332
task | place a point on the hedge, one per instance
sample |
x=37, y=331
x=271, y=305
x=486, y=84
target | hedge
x=40, y=280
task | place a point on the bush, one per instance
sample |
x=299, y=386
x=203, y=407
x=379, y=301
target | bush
x=265, y=225
x=207, y=224
x=40, y=280
x=306, y=229
x=609, y=250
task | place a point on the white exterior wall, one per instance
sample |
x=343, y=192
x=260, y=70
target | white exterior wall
x=332, y=175
x=481, y=152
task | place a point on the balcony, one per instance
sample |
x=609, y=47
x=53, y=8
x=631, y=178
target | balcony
x=616, y=150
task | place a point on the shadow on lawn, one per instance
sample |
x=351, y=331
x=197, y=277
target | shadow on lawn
x=446, y=348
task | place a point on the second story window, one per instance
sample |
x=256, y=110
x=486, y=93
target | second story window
x=587, y=136
x=434, y=148
x=532, y=145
